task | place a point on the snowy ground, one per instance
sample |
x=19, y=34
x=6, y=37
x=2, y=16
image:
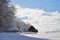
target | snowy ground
x=27, y=36
x=51, y=36
x=16, y=36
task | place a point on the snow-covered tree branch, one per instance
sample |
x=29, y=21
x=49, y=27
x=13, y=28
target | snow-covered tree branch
x=6, y=15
